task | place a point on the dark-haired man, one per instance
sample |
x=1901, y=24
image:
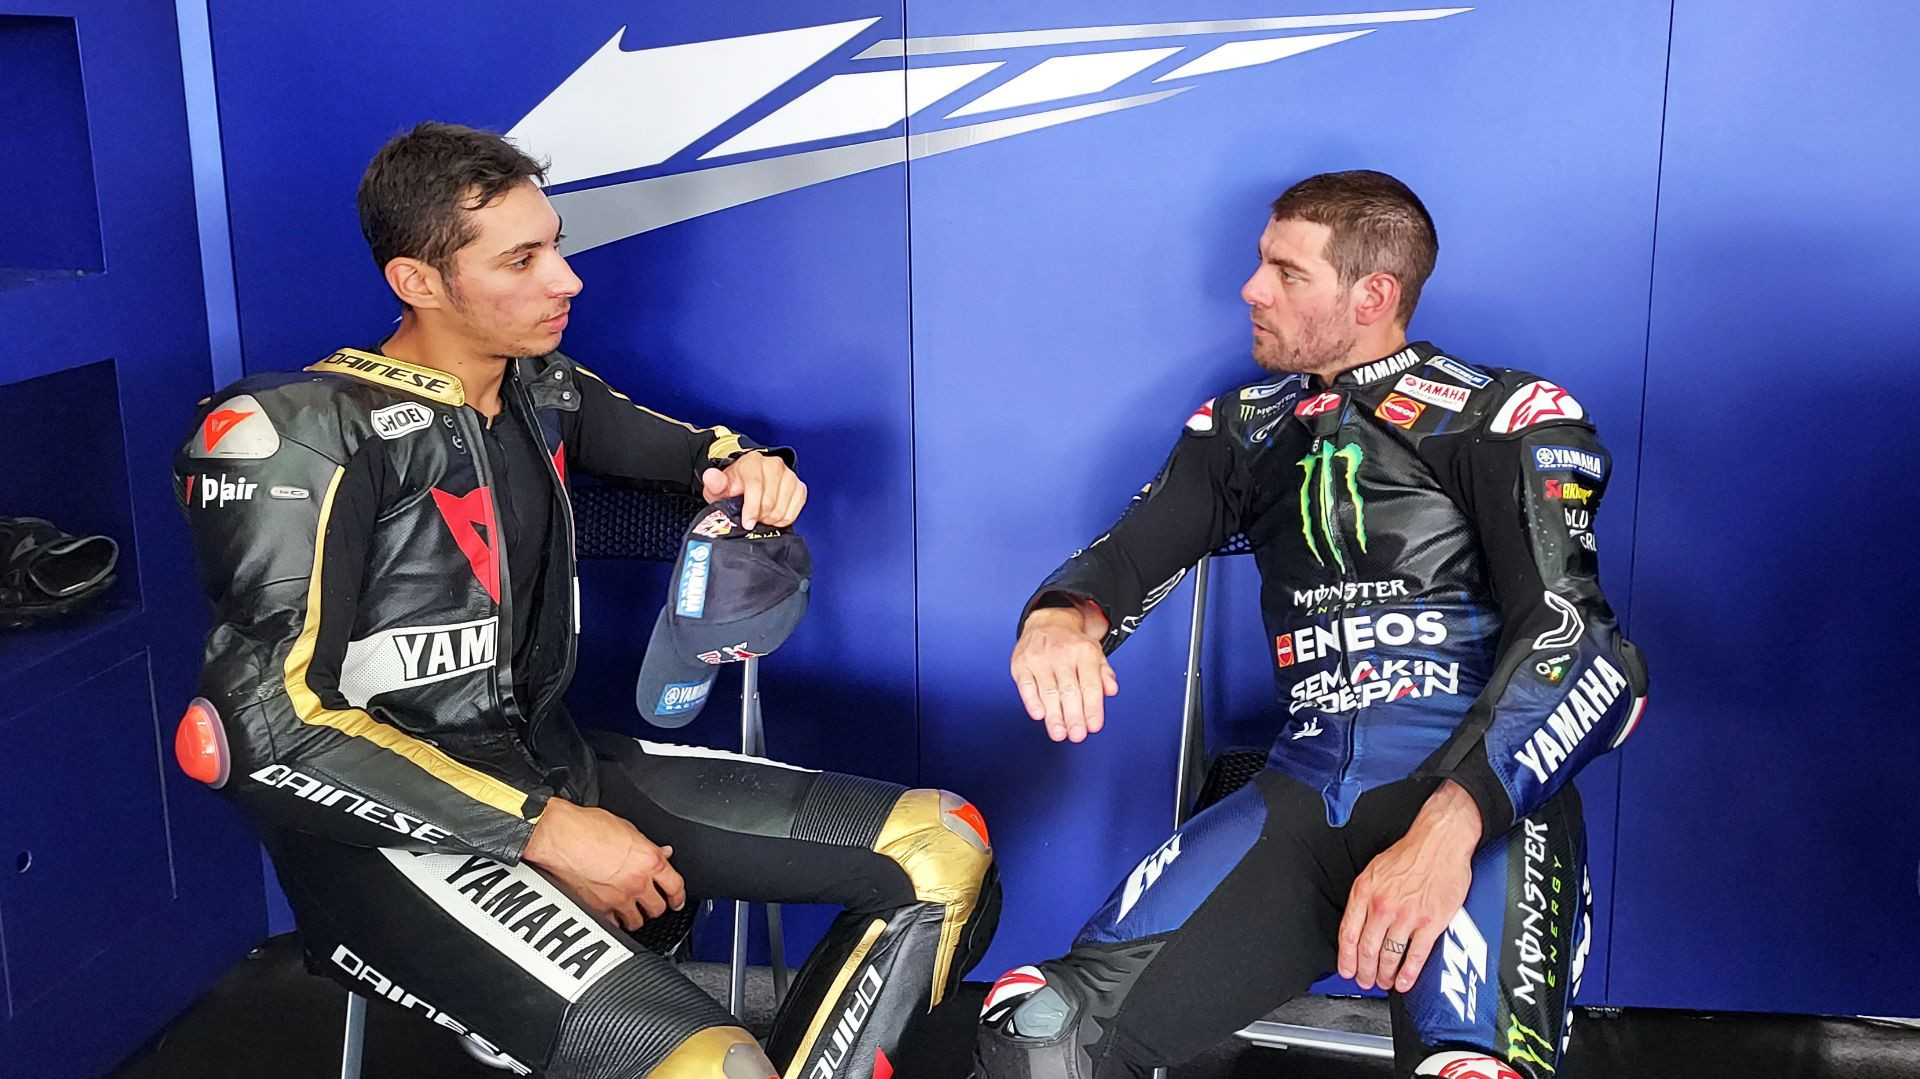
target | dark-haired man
x=1446, y=662
x=388, y=545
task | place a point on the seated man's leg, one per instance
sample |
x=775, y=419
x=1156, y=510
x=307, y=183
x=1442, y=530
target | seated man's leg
x=1225, y=921
x=911, y=867
x=1495, y=1000
x=502, y=955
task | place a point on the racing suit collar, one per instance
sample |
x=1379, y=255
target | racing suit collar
x=1387, y=367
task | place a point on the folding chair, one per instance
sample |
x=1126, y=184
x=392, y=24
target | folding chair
x=1199, y=783
x=647, y=525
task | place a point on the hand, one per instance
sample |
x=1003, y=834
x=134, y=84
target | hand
x=606, y=862
x=1410, y=892
x=769, y=492
x=1062, y=671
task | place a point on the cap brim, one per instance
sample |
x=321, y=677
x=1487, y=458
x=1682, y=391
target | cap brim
x=670, y=690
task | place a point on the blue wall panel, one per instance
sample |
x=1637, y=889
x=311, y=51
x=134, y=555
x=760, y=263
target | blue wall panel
x=1075, y=295
x=1768, y=824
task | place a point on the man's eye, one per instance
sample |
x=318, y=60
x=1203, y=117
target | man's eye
x=521, y=263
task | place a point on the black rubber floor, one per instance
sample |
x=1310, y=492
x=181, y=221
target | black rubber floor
x=268, y=1018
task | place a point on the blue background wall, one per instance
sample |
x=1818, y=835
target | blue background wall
x=980, y=354
x=1697, y=214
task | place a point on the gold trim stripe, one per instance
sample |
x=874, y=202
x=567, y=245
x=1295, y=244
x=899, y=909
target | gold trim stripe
x=399, y=375
x=839, y=986
x=726, y=443
x=356, y=723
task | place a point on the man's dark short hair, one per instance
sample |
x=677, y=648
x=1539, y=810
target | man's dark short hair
x=1378, y=226
x=418, y=190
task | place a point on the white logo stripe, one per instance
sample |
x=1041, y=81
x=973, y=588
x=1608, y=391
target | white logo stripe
x=851, y=105
x=1235, y=54
x=627, y=110
x=1019, y=39
x=518, y=896
x=1064, y=76
x=603, y=215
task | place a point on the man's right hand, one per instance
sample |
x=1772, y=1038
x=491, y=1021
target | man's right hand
x=1062, y=671
x=606, y=862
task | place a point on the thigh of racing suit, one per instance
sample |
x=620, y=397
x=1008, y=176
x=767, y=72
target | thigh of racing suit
x=911, y=867
x=1238, y=913
x=504, y=955
x=1225, y=921
x=1502, y=976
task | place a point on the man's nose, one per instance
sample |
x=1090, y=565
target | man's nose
x=1254, y=292
x=566, y=283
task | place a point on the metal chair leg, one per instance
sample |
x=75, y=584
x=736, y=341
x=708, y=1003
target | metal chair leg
x=355, y=1041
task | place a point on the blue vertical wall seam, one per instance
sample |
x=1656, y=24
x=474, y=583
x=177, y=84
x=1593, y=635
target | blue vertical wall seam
x=913, y=411
x=210, y=190
x=1633, y=546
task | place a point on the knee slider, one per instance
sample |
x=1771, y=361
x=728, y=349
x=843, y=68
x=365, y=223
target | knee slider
x=1031, y=1030
x=940, y=839
x=716, y=1053
x=1457, y=1064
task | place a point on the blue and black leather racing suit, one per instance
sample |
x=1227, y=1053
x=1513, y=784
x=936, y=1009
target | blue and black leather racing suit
x=1423, y=529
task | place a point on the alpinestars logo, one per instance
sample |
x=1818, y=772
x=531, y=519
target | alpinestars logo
x=1317, y=497
x=879, y=99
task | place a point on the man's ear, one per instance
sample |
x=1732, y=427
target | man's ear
x=416, y=283
x=1376, y=298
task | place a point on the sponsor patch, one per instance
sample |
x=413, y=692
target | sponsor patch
x=290, y=492
x=714, y=525
x=1552, y=668
x=1569, y=459
x=1392, y=365
x=1449, y=365
x=680, y=697
x=1463, y=959
x=1535, y=403
x=394, y=421
x=1145, y=874
x=301, y=785
x=384, y=987
x=1399, y=410
x=1261, y=393
x=1317, y=404
x=1567, y=491
x=407, y=656
x=691, y=597
x=1587, y=701
x=733, y=653
x=238, y=430
x=520, y=914
x=1451, y=398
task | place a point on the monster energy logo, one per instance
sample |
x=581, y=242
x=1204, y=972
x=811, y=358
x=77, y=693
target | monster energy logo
x=1525, y=1043
x=1318, y=466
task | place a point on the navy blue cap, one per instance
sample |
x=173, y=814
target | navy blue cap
x=735, y=594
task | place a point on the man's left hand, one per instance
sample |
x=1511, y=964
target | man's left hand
x=1406, y=896
x=769, y=492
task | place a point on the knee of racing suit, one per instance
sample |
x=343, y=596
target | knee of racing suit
x=716, y=1053
x=1465, y=1064
x=1030, y=1029
x=940, y=840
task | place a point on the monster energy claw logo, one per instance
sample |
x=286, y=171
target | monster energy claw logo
x=1319, y=464
x=1525, y=1043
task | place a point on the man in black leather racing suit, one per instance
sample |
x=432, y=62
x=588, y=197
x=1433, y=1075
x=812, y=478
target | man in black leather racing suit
x=388, y=545
x=1423, y=528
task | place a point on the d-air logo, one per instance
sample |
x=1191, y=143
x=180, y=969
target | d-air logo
x=1463, y=958
x=847, y=1028
x=1145, y=874
x=1317, y=498
x=851, y=117
x=217, y=491
x=394, y=421
x=385, y=988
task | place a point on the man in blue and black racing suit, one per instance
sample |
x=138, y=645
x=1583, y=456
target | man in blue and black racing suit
x=1445, y=660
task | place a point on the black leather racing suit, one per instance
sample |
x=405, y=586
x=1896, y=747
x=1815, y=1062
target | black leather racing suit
x=347, y=526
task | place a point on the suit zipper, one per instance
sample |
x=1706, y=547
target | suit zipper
x=570, y=651
x=503, y=631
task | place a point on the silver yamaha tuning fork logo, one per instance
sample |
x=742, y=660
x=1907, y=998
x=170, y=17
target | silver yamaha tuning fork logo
x=679, y=131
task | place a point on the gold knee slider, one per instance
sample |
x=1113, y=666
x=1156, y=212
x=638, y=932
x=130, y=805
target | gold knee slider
x=940, y=839
x=716, y=1053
